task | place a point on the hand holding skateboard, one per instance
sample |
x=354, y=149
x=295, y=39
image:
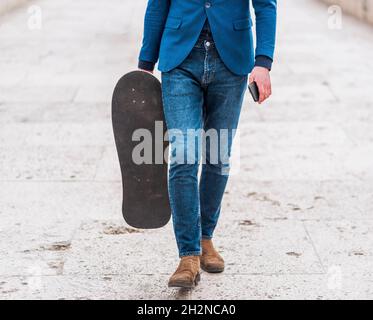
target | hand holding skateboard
x=148, y=71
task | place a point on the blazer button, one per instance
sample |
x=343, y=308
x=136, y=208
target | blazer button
x=207, y=5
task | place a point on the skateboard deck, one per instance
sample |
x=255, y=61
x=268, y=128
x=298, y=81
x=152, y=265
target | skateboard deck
x=137, y=104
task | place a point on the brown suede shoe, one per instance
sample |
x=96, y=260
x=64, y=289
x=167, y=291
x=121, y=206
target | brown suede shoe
x=211, y=260
x=187, y=274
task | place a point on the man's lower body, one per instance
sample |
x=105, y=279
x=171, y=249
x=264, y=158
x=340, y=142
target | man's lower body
x=200, y=96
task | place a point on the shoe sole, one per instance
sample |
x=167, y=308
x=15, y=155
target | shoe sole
x=185, y=285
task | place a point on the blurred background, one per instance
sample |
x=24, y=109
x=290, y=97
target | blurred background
x=297, y=220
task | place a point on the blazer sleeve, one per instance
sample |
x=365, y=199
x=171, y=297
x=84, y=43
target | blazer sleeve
x=155, y=19
x=266, y=16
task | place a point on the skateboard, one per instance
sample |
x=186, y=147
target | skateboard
x=139, y=128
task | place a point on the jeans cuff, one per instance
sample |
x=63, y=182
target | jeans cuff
x=190, y=253
x=206, y=237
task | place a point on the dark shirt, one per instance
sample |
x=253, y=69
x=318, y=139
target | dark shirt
x=260, y=61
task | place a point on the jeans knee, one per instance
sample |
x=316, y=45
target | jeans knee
x=219, y=168
x=183, y=170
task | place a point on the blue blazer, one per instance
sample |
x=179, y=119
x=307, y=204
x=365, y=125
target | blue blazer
x=172, y=27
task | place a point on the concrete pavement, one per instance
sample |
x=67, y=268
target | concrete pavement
x=297, y=220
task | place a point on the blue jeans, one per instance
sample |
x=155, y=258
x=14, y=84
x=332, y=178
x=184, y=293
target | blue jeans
x=200, y=94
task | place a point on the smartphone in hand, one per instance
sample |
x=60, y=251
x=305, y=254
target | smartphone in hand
x=254, y=90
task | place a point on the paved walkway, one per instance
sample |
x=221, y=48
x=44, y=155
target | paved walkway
x=297, y=220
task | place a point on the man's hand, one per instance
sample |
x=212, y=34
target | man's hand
x=151, y=72
x=262, y=78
